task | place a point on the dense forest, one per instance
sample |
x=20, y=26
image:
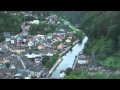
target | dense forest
x=9, y=23
x=103, y=30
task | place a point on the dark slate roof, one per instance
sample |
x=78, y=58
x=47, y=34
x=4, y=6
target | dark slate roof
x=2, y=74
x=36, y=67
x=2, y=52
x=12, y=71
x=24, y=72
x=47, y=50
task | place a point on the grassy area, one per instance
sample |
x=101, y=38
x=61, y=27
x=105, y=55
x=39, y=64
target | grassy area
x=112, y=62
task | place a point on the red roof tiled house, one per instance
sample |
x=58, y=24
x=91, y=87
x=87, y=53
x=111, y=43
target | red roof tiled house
x=58, y=38
x=59, y=47
x=29, y=39
x=77, y=65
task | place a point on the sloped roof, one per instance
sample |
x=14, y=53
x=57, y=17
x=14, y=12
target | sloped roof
x=40, y=47
x=58, y=38
x=68, y=40
x=59, y=47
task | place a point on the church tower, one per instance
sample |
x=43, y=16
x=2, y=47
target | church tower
x=93, y=60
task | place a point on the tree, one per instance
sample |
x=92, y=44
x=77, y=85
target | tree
x=7, y=65
x=45, y=59
x=79, y=35
x=71, y=77
x=114, y=76
x=76, y=72
x=99, y=76
x=68, y=71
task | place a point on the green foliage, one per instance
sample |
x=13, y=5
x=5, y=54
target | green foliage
x=45, y=59
x=9, y=23
x=70, y=77
x=75, y=74
x=103, y=30
x=52, y=61
x=68, y=71
x=43, y=28
x=80, y=35
x=112, y=62
x=114, y=76
x=99, y=76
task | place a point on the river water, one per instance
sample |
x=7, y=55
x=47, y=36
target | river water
x=69, y=58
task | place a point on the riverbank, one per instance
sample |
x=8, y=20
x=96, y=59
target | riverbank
x=60, y=59
x=76, y=59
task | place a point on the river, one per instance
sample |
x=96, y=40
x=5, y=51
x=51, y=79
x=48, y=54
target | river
x=68, y=59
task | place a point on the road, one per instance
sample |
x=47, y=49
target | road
x=24, y=31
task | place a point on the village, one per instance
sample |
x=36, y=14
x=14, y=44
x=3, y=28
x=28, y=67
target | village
x=22, y=54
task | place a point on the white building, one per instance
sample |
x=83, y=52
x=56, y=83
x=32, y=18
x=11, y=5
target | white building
x=62, y=74
x=35, y=22
x=7, y=39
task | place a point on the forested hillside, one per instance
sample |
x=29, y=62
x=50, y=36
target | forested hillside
x=103, y=30
x=9, y=23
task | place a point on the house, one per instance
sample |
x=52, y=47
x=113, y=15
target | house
x=77, y=65
x=49, y=54
x=2, y=66
x=48, y=51
x=58, y=38
x=38, y=36
x=24, y=41
x=30, y=43
x=44, y=73
x=33, y=55
x=83, y=59
x=1, y=52
x=13, y=40
x=29, y=39
x=40, y=47
x=6, y=34
x=2, y=74
x=22, y=74
x=68, y=41
x=4, y=61
x=63, y=31
x=19, y=40
x=59, y=47
x=10, y=73
x=17, y=50
x=7, y=39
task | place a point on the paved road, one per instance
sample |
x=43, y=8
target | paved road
x=24, y=31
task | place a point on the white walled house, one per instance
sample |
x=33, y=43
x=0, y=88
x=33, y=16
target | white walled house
x=30, y=43
x=7, y=39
